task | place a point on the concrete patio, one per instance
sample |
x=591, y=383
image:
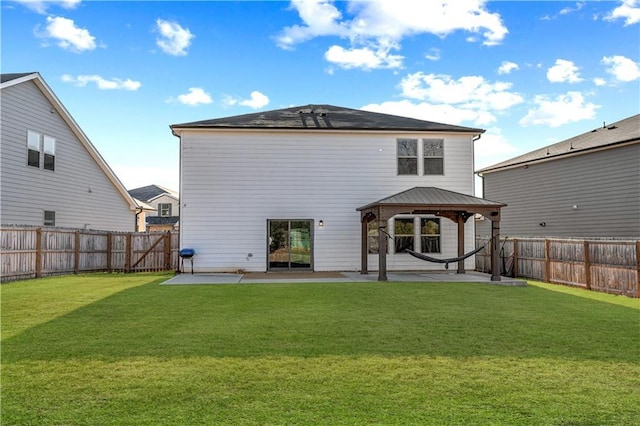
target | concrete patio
x=337, y=277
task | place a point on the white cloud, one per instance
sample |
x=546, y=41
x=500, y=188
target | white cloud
x=68, y=35
x=433, y=55
x=598, y=81
x=321, y=19
x=102, y=83
x=364, y=58
x=629, y=10
x=258, y=100
x=568, y=10
x=469, y=92
x=41, y=6
x=195, y=96
x=621, y=68
x=174, y=40
x=506, y=67
x=440, y=113
x=564, y=109
x=377, y=25
x=564, y=72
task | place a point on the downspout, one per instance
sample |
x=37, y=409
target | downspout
x=473, y=162
x=138, y=211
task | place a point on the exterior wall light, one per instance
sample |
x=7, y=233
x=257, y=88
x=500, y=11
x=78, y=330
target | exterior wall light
x=321, y=223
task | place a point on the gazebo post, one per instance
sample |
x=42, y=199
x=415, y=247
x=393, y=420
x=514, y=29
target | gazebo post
x=461, y=221
x=495, y=248
x=364, y=260
x=382, y=248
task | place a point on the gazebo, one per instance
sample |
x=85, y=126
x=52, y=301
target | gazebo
x=429, y=200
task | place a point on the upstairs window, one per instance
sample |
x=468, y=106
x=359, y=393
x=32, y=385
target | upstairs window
x=41, y=149
x=164, y=209
x=407, y=156
x=49, y=152
x=433, y=156
x=33, y=148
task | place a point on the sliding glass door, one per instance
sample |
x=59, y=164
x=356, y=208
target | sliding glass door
x=290, y=244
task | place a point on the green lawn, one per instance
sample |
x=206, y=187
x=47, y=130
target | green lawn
x=121, y=349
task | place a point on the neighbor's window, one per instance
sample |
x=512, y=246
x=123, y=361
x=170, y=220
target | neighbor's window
x=430, y=235
x=33, y=147
x=372, y=236
x=433, y=156
x=164, y=209
x=403, y=234
x=39, y=145
x=49, y=152
x=407, y=156
x=49, y=218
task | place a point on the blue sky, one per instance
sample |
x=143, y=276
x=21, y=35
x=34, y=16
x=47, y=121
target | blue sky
x=530, y=73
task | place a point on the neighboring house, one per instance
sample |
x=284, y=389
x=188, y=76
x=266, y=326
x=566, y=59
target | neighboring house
x=52, y=175
x=279, y=190
x=585, y=186
x=164, y=204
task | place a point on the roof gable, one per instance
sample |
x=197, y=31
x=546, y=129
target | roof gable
x=623, y=131
x=13, y=79
x=323, y=117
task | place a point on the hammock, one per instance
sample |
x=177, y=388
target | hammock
x=445, y=261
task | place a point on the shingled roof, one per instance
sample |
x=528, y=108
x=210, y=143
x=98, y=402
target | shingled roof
x=13, y=76
x=620, y=132
x=324, y=117
x=148, y=193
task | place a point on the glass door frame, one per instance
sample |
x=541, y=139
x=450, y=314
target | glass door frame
x=288, y=268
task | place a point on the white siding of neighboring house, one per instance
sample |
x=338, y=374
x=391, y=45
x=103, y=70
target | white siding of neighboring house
x=78, y=191
x=604, y=186
x=232, y=182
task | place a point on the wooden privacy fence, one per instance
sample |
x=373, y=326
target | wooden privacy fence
x=30, y=252
x=609, y=266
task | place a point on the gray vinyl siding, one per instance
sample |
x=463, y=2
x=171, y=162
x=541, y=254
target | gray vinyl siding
x=604, y=185
x=78, y=191
x=232, y=182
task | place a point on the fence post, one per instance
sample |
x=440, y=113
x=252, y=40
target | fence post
x=109, y=249
x=167, y=250
x=76, y=253
x=38, y=252
x=638, y=267
x=587, y=265
x=128, y=253
x=515, y=257
x=547, y=262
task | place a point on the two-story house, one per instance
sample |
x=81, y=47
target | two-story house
x=51, y=174
x=296, y=189
x=164, y=214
